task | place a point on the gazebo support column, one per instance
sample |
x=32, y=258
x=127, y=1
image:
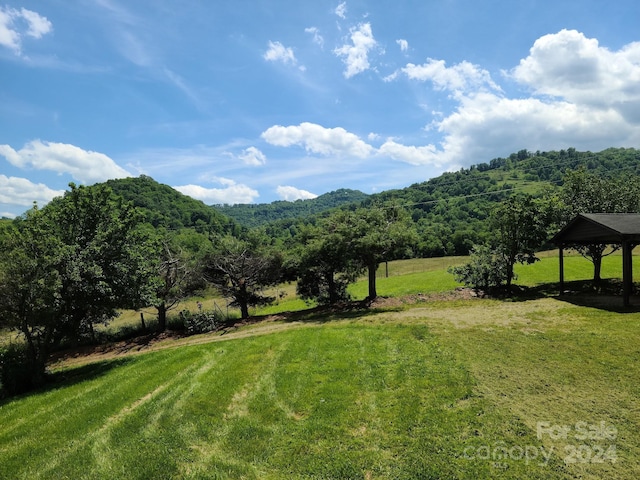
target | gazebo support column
x=561, y=258
x=627, y=271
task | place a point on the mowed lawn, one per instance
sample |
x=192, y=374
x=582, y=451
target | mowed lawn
x=478, y=388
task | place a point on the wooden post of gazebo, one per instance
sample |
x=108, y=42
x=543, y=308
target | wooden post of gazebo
x=627, y=271
x=561, y=258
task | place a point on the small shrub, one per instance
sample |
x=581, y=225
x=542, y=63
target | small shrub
x=486, y=270
x=201, y=322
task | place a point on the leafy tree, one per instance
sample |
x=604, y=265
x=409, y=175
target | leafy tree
x=375, y=234
x=520, y=225
x=70, y=266
x=240, y=270
x=325, y=267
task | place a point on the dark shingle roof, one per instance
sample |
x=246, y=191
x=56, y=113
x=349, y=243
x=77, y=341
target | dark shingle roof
x=589, y=228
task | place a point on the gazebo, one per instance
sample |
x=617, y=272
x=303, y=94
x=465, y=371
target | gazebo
x=607, y=228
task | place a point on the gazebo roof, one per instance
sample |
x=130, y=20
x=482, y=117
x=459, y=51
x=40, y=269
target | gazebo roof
x=588, y=228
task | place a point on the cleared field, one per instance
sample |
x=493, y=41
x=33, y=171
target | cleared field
x=445, y=389
x=542, y=388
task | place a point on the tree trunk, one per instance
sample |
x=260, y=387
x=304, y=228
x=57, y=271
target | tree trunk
x=331, y=287
x=162, y=317
x=372, y=267
x=509, y=275
x=597, y=268
x=244, y=310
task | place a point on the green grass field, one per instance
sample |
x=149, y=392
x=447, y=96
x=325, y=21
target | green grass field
x=478, y=388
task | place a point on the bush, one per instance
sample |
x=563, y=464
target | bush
x=202, y=322
x=18, y=372
x=486, y=270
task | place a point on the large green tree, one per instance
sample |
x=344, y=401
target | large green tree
x=520, y=225
x=375, y=234
x=70, y=266
x=324, y=265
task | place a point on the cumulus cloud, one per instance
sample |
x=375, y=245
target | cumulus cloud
x=15, y=24
x=317, y=38
x=23, y=192
x=279, y=53
x=84, y=166
x=403, y=44
x=253, y=156
x=425, y=155
x=459, y=78
x=341, y=10
x=232, y=192
x=292, y=194
x=318, y=139
x=580, y=94
x=356, y=55
x=570, y=66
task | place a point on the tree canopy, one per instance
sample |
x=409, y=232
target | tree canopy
x=70, y=266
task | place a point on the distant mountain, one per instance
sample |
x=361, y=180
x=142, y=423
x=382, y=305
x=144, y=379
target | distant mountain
x=450, y=210
x=255, y=215
x=166, y=207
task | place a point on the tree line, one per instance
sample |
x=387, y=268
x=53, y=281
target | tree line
x=71, y=265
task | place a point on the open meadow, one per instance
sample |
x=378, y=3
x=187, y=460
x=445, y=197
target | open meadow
x=425, y=384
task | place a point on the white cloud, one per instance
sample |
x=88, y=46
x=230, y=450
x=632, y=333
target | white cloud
x=20, y=191
x=426, y=155
x=232, y=192
x=318, y=139
x=569, y=66
x=404, y=45
x=279, y=53
x=38, y=25
x=341, y=10
x=15, y=24
x=253, y=156
x=84, y=166
x=583, y=95
x=459, y=78
x=292, y=194
x=356, y=55
x=317, y=38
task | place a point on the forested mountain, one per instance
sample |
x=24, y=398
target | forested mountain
x=255, y=215
x=164, y=206
x=450, y=210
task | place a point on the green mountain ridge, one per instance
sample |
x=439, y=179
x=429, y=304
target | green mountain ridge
x=255, y=215
x=450, y=211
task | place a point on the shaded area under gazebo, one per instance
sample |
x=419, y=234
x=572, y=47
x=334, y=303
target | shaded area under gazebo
x=603, y=228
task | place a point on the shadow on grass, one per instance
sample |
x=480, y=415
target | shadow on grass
x=69, y=377
x=319, y=314
x=606, y=295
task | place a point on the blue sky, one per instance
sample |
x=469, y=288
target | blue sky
x=236, y=101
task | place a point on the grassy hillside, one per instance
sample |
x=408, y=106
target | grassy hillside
x=445, y=390
x=466, y=388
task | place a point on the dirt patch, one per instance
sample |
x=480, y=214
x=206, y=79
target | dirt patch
x=460, y=293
